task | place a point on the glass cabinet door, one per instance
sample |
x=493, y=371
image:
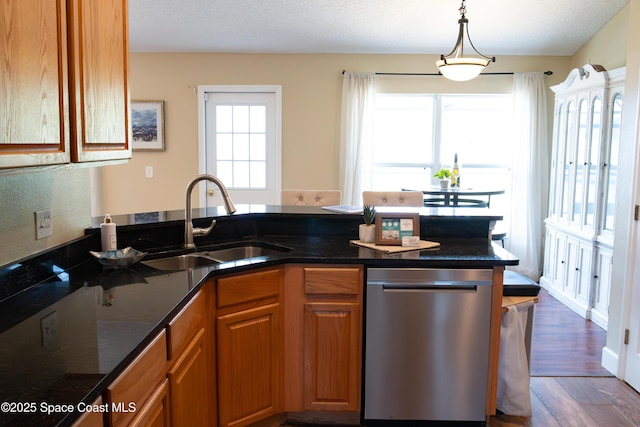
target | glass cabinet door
x=557, y=165
x=593, y=162
x=568, y=160
x=611, y=165
x=580, y=162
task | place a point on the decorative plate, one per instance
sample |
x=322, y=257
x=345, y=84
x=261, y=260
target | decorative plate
x=119, y=258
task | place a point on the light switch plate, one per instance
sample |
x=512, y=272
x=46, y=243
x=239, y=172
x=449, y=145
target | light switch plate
x=43, y=224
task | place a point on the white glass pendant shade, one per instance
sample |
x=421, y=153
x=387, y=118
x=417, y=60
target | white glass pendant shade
x=461, y=69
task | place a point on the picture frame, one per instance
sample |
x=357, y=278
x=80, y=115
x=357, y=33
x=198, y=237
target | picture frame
x=391, y=227
x=147, y=126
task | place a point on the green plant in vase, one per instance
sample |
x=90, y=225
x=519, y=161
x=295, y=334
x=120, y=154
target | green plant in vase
x=369, y=214
x=443, y=175
x=367, y=231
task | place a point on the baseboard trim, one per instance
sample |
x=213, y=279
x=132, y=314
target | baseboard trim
x=610, y=360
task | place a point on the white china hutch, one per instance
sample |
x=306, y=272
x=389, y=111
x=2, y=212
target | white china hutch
x=579, y=226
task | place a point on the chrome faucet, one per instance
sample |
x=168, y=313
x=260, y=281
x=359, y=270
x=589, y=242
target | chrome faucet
x=189, y=230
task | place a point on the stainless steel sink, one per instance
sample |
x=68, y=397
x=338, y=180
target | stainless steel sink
x=180, y=262
x=243, y=252
x=204, y=258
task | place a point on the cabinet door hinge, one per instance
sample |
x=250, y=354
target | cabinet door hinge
x=626, y=336
x=636, y=212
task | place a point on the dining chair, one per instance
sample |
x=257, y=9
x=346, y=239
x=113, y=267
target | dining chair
x=393, y=198
x=309, y=197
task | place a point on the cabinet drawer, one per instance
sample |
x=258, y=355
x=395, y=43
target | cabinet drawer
x=138, y=381
x=248, y=287
x=185, y=325
x=332, y=281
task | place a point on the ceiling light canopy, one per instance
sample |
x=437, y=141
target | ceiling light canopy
x=455, y=66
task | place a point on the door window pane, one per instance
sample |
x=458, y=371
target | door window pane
x=241, y=145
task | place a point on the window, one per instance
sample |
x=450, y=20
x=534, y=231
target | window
x=416, y=134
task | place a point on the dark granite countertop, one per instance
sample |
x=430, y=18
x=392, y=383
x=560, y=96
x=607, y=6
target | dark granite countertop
x=102, y=318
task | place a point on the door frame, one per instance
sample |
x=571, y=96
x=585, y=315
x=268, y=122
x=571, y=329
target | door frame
x=202, y=140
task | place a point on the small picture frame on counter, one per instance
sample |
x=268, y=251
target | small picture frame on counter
x=147, y=125
x=392, y=227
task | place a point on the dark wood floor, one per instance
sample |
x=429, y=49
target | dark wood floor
x=564, y=344
x=568, y=386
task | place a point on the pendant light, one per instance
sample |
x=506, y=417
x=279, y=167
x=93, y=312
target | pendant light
x=455, y=66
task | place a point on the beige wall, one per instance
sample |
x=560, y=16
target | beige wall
x=65, y=192
x=311, y=103
x=609, y=46
x=311, y=91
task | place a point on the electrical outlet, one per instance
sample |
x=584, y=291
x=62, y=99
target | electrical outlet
x=49, y=328
x=43, y=224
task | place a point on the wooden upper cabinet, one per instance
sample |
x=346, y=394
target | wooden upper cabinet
x=65, y=88
x=99, y=84
x=34, y=125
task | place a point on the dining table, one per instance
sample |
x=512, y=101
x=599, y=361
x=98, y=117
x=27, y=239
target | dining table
x=436, y=196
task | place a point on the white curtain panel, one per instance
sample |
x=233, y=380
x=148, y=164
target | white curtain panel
x=530, y=173
x=356, y=135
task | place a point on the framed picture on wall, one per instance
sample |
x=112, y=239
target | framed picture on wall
x=147, y=125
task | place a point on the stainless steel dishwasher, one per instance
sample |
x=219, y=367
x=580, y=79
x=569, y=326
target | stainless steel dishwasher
x=426, y=345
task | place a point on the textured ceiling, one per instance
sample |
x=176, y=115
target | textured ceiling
x=496, y=27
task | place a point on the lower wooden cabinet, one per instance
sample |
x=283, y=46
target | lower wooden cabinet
x=191, y=362
x=323, y=340
x=249, y=348
x=137, y=386
x=188, y=383
x=331, y=356
x=172, y=382
x=155, y=411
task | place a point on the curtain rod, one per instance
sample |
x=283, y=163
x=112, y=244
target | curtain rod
x=548, y=73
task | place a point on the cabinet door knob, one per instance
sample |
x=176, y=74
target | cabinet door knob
x=210, y=192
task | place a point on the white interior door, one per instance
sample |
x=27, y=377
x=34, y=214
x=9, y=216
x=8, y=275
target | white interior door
x=242, y=143
x=632, y=362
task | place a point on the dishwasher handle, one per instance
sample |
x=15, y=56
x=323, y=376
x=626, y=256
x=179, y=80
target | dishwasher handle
x=431, y=287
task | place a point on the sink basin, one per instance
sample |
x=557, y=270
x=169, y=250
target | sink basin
x=204, y=258
x=243, y=252
x=180, y=262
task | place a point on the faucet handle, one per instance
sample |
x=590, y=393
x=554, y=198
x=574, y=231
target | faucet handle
x=199, y=231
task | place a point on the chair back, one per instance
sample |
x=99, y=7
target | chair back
x=310, y=197
x=393, y=198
